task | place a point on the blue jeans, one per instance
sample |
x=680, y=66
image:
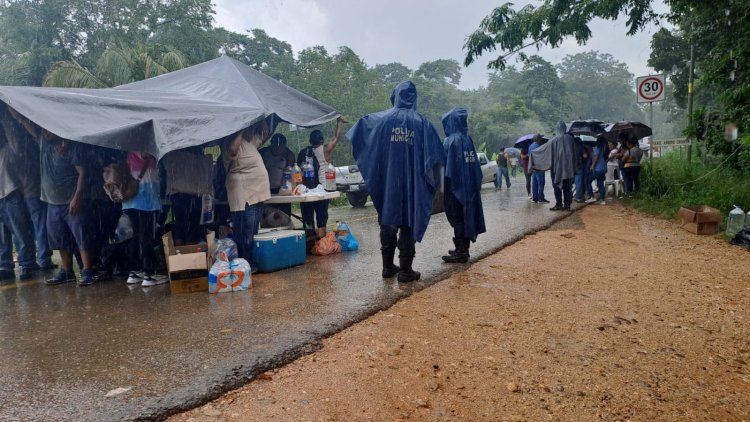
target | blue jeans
x=244, y=228
x=583, y=181
x=537, y=185
x=38, y=212
x=502, y=172
x=600, y=177
x=16, y=221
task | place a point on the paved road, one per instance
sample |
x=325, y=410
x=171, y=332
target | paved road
x=64, y=348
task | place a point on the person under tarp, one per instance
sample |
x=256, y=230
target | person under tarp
x=463, y=185
x=400, y=156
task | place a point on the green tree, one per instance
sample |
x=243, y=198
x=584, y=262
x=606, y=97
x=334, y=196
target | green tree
x=543, y=90
x=270, y=55
x=511, y=31
x=117, y=66
x=443, y=70
x=599, y=87
x=34, y=34
x=392, y=73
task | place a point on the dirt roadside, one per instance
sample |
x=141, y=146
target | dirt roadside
x=610, y=314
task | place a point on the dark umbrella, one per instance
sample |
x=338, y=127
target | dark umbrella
x=513, y=151
x=588, y=139
x=591, y=127
x=636, y=130
x=526, y=140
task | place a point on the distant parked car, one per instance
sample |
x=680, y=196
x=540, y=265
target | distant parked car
x=489, y=168
x=349, y=180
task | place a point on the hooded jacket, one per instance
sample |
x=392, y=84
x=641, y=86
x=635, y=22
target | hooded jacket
x=398, y=152
x=558, y=155
x=463, y=174
x=563, y=150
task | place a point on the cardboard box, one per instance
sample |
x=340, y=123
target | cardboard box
x=700, y=219
x=188, y=265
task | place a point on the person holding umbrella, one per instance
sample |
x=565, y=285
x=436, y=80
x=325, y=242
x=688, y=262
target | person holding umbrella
x=632, y=159
x=522, y=144
x=537, y=176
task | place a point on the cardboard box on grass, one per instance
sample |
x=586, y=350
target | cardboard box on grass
x=700, y=219
x=188, y=270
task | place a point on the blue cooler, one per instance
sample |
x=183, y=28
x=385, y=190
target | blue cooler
x=276, y=250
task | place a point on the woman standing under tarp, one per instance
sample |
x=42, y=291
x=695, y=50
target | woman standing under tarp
x=247, y=184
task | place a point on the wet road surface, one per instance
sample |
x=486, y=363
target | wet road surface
x=64, y=348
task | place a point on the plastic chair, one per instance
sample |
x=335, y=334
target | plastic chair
x=610, y=180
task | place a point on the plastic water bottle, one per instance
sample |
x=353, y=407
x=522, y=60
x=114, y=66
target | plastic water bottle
x=287, y=175
x=330, y=178
x=342, y=229
x=735, y=221
x=309, y=174
x=296, y=175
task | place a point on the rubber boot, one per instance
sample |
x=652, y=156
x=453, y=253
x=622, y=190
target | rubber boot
x=406, y=274
x=453, y=251
x=389, y=269
x=461, y=256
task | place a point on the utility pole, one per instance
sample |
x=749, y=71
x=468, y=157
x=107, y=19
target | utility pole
x=690, y=96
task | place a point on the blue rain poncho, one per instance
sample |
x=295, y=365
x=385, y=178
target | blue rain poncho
x=463, y=174
x=400, y=156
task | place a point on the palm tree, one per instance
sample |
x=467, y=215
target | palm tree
x=117, y=66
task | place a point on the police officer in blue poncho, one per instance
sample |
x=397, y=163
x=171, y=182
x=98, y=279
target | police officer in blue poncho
x=400, y=156
x=463, y=185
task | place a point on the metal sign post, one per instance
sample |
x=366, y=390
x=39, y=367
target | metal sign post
x=650, y=89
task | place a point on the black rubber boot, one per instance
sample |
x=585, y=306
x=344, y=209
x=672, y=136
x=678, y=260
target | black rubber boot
x=461, y=256
x=406, y=274
x=453, y=251
x=389, y=269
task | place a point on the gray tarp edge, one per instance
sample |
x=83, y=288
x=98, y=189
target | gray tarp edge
x=185, y=108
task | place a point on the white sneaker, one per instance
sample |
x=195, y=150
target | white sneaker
x=134, y=278
x=590, y=200
x=154, y=280
x=602, y=202
x=160, y=279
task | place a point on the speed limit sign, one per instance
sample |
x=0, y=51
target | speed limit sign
x=650, y=88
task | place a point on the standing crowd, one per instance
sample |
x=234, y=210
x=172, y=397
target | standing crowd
x=576, y=166
x=53, y=196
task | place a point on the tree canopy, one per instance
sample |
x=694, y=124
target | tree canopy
x=86, y=43
x=718, y=32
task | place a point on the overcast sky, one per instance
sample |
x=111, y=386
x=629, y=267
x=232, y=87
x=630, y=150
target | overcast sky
x=411, y=32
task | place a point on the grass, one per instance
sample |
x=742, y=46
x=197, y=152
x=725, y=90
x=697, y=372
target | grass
x=670, y=182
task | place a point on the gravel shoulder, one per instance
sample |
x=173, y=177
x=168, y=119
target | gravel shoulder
x=611, y=314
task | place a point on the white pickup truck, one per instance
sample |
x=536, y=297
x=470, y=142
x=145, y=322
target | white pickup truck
x=489, y=168
x=349, y=180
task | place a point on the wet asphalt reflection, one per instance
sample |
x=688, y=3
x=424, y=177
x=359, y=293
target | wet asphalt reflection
x=64, y=348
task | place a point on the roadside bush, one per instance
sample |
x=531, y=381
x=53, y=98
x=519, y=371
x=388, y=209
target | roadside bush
x=669, y=183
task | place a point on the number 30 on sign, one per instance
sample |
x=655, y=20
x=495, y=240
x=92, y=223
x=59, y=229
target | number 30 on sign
x=650, y=88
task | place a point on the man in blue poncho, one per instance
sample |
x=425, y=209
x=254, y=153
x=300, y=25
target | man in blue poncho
x=400, y=156
x=463, y=185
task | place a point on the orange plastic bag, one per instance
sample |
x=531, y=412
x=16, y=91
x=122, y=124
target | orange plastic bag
x=327, y=245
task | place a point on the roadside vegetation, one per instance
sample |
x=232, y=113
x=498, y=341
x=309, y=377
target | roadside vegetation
x=670, y=182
